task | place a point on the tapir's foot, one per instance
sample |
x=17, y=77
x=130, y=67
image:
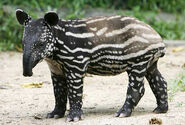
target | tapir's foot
x=74, y=115
x=123, y=112
x=56, y=113
x=161, y=109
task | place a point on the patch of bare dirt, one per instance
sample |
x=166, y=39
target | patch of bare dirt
x=103, y=96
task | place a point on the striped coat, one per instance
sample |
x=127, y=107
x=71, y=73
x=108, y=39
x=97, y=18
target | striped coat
x=97, y=45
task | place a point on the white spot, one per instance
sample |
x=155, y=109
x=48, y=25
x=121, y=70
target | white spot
x=79, y=94
x=141, y=88
x=135, y=90
x=139, y=79
x=157, y=78
x=160, y=89
x=89, y=43
x=132, y=78
x=131, y=84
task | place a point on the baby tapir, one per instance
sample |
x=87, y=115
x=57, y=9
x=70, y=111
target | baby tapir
x=96, y=45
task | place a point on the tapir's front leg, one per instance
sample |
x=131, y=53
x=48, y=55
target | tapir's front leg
x=60, y=91
x=75, y=89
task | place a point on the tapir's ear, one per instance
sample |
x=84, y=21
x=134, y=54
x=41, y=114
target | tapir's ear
x=22, y=16
x=51, y=18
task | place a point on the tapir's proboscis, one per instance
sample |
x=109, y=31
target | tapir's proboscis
x=95, y=45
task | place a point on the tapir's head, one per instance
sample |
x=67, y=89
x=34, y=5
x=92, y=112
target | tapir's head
x=38, y=40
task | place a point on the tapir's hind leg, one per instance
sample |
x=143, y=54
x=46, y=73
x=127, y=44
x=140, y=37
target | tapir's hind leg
x=159, y=88
x=135, y=89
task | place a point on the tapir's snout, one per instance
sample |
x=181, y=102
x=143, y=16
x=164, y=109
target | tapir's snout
x=27, y=65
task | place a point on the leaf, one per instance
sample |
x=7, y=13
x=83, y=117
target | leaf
x=18, y=48
x=178, y=49
x=33, y=85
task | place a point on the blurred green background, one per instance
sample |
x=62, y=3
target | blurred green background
x=167, y=17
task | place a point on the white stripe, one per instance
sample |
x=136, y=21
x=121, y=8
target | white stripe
x=93, y=28
x=63, y=51
x=82, y=61
x=140, y=63
x=80, y=57
x=113, y=17
x=80, y=25
x=79, y=94
x=65, y=57
x=130, y=26
x=137, y=71
x=113, y=65
x=74, y=66
x=77, y=87
x=101, y=31
x=131, y=55
x=78, y=75
x=60, y=42
x=127, y=18
x=95, y=20
x=59, y=28
x=79, y=80
x=151, y=36
x=126, y=43
x=139, y=79
x=73, y=75
x=146, y=56
x=80, y=35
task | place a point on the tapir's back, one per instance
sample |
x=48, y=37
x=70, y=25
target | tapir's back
x=125, y=31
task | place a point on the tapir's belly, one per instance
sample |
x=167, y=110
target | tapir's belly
x=106, y=64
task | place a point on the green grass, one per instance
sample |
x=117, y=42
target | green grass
x=145, y=10
x=176, y=85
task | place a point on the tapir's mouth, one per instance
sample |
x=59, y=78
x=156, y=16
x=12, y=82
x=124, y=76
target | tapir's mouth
x=28, y=66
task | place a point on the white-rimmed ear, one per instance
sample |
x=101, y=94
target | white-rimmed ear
x=51, y=18
x=22, y=16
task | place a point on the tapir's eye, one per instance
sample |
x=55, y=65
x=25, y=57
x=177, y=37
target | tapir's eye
x=40, y=44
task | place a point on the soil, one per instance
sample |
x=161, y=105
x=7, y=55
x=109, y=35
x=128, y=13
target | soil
x=103, y=96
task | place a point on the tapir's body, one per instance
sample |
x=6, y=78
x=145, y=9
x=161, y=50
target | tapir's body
x=100, y=46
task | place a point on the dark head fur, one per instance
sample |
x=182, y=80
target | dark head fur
x=38, y=39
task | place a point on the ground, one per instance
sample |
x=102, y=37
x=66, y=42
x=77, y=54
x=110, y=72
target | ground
x=103, y=96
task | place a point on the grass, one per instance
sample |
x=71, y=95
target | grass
x=177, y=85
x=147, y=11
